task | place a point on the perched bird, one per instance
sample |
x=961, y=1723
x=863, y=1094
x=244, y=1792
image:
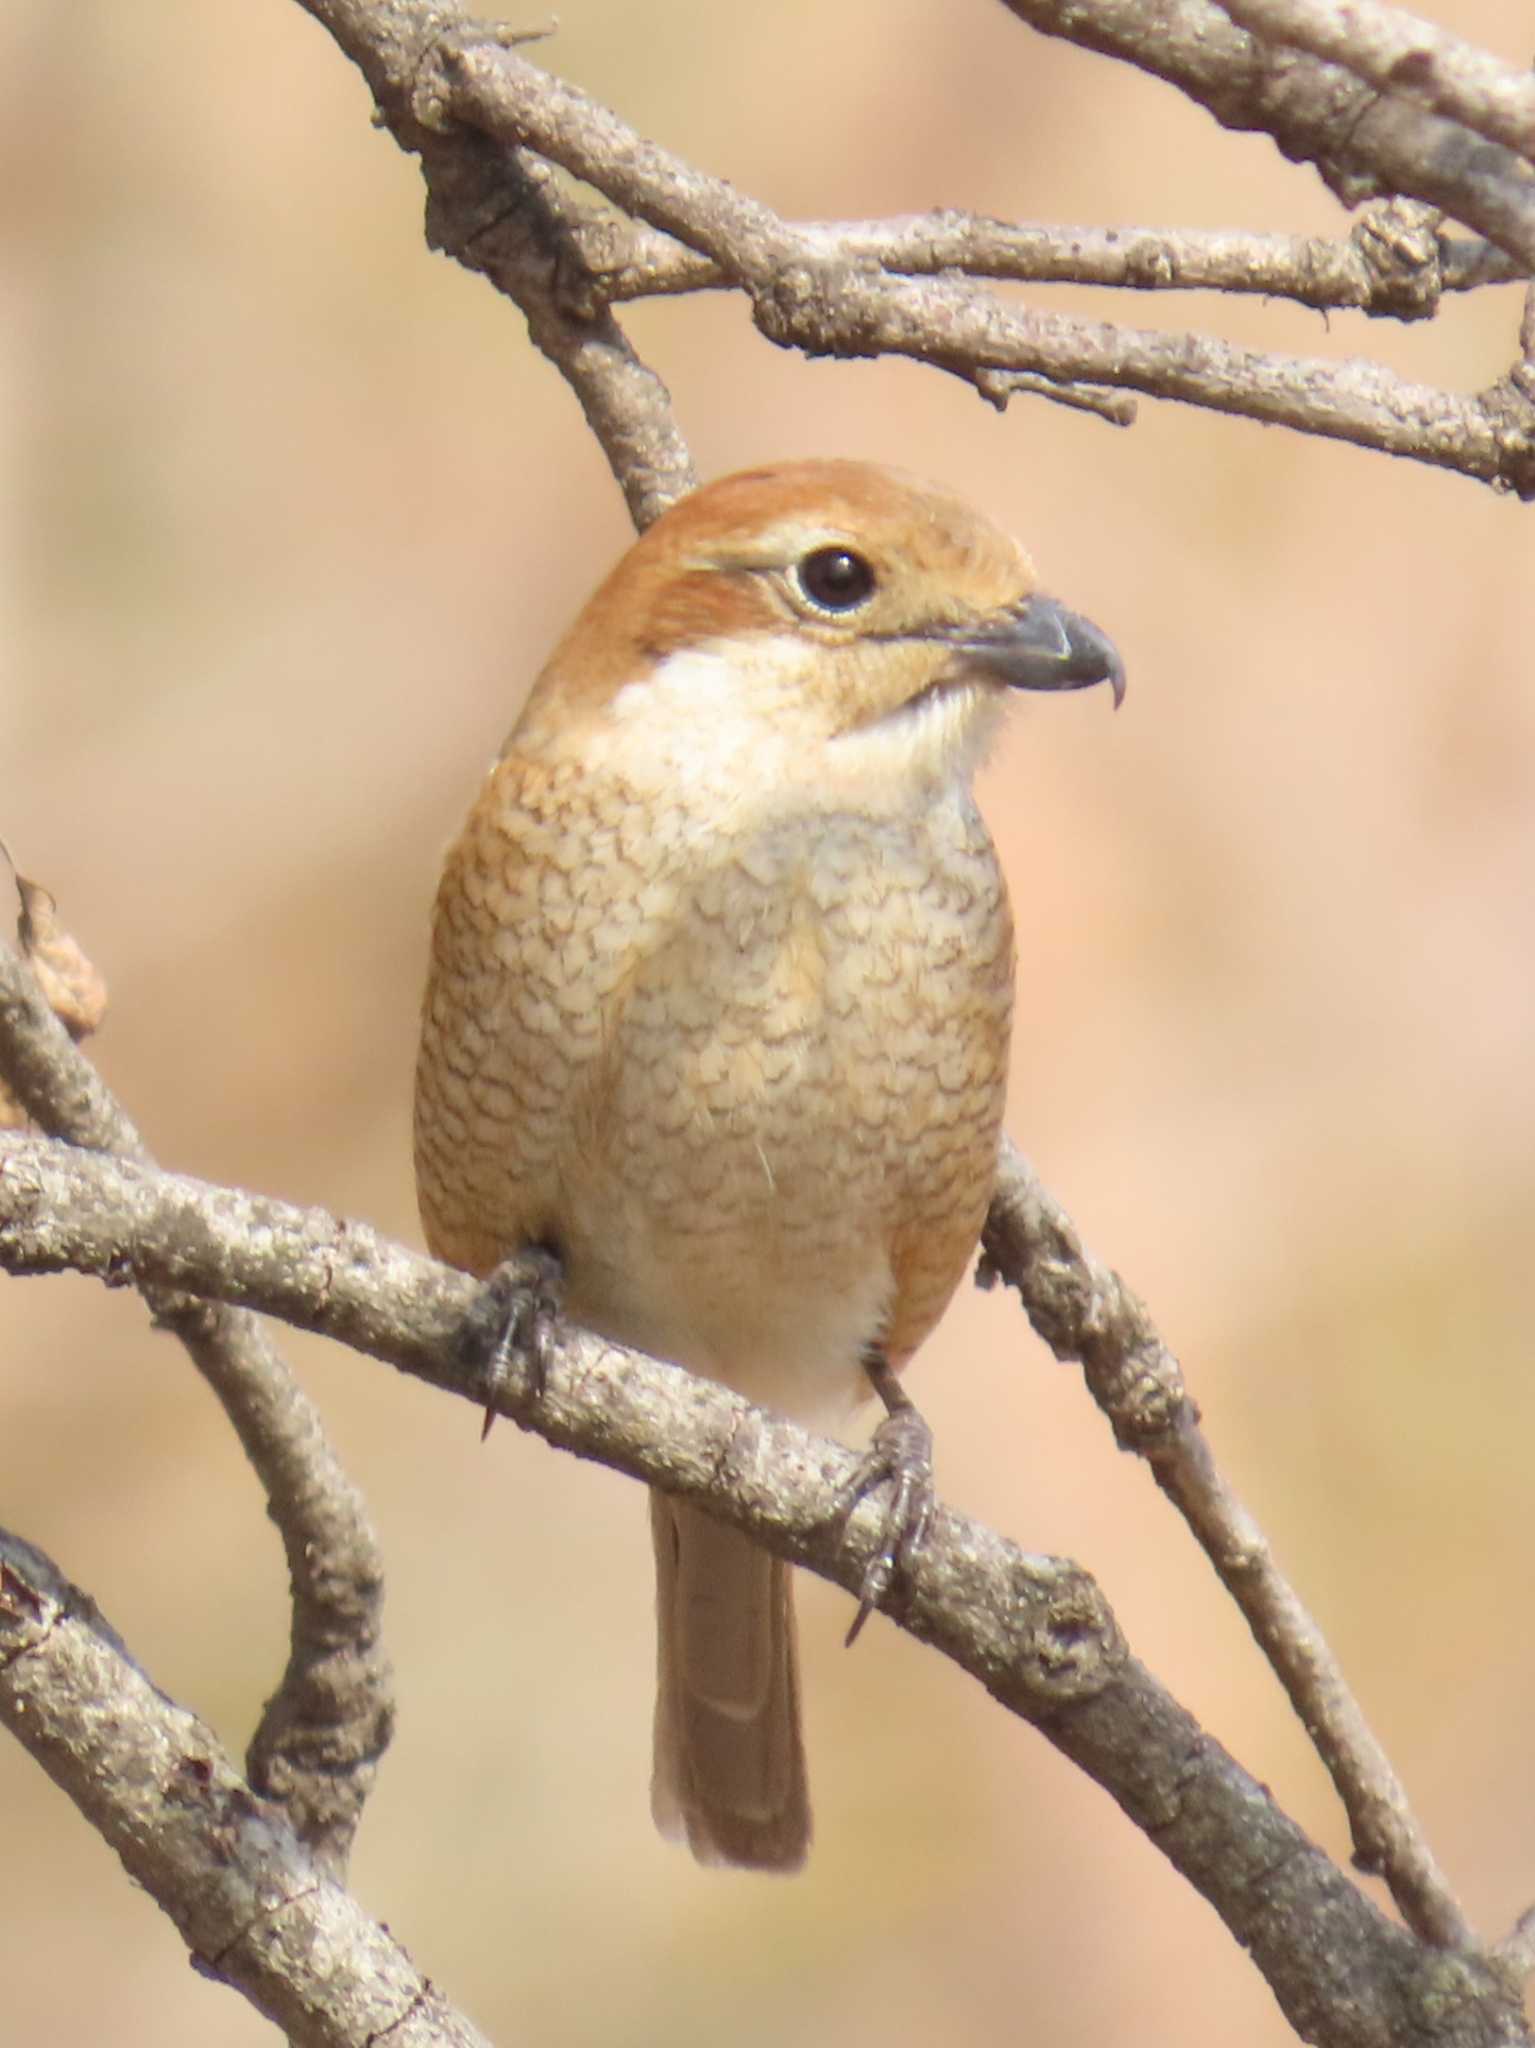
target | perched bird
x=718, y=1011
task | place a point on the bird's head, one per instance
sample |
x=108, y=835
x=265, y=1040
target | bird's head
x=832, y=614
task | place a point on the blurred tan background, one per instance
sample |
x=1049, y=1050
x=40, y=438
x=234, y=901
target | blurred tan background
x=291, y=513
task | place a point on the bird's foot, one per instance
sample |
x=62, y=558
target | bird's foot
x=902, y=1456
x=513, y=1317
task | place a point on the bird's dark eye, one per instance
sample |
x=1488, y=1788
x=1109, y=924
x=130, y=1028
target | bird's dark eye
x=835, y=579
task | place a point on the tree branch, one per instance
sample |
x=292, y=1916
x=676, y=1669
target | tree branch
x=1375, y=270
x=1362, y=143
x=1035, y=1631
x=843, y=305
x=502, y=214
x=1088, y=1316
x=453, y=90
x=317, y=1744
x=1398, y=53
x=255, y=1909
x=499, y=212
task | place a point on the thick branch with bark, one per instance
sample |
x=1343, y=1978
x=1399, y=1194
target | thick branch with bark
x=1035, y=1631
x=254, y=1906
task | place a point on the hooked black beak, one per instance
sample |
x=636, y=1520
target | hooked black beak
x=1042, y=646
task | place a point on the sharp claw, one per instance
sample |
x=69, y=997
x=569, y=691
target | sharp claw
x=866, y=1607
x=513, y=1317
x=875, y=1584
x=901, y=1454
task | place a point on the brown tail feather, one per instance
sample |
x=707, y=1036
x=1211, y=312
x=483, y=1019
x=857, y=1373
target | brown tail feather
x=729, y=1760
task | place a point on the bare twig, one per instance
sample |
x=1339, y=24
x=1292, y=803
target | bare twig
x=255, y=1908
x=627, y=260
x=804, y=300
x=1086, y=1314
x=319, y=1737
x=500, y=213
x=1399, y=53
x=998, y=386
x=1035, y=1631
x=1363, y=144
x=481, y=118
